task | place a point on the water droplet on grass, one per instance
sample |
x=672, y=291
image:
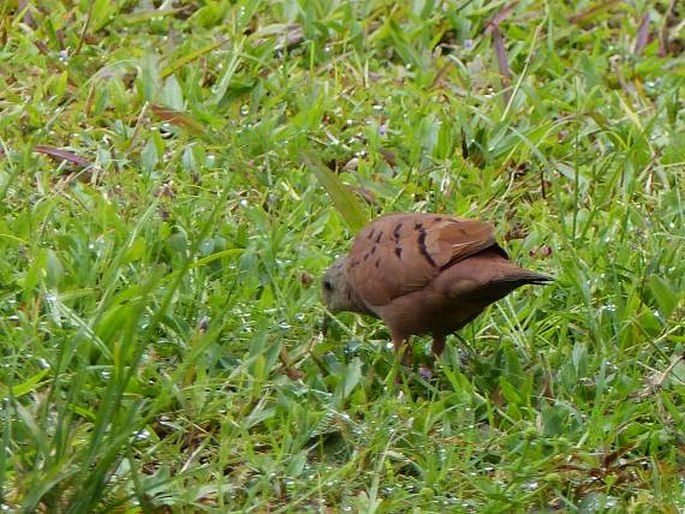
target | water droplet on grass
x=530, y=486
x=142, y=435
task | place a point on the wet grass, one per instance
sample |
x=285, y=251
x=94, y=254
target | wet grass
x=170, y=185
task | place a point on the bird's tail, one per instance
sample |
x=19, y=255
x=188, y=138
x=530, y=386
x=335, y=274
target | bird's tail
x=513, y=278
x=525, y=276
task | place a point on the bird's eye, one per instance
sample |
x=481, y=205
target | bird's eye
x=327, y=285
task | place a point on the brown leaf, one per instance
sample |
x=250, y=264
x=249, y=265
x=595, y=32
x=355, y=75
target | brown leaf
x=518, y=231
x=642, y=35
x=306, y=279
x=498, y=18
x=502, y=62
x=541, y=252
x=62, y=154
x=388, y=156
x=178, y=118
x=28, y=19
x=42, y=47
x=670, y=20
x=293, y=38
x=591, y=12
x=367, y=195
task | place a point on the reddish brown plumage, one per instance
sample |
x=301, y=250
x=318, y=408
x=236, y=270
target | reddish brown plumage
x=423, y=274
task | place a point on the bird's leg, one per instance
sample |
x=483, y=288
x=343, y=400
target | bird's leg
x=438, y=348
x=402, y=348
x=438, y=344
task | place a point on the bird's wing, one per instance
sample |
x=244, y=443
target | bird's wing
x=401, y=253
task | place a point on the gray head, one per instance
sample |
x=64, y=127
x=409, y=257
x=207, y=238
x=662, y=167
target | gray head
x=336, y=288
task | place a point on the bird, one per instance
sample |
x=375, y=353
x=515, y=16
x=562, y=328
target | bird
x=423, y=273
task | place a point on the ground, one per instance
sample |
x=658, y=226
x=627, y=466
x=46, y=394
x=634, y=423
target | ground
x=175, y=177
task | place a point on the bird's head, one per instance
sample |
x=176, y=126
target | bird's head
x=335, y=287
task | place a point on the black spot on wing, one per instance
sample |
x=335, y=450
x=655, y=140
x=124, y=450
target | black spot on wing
x=370, y=236
x=422, y=247
x=396, y=232
x=378, y=237
x=438, y=218
x=499, y=250
x=378, y=262
x=398, y=252
x=418, y=226
x=373, y=249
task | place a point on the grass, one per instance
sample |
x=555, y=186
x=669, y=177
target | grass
x=175, y=176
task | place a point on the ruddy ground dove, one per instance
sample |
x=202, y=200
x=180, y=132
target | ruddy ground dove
x=423, y=274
